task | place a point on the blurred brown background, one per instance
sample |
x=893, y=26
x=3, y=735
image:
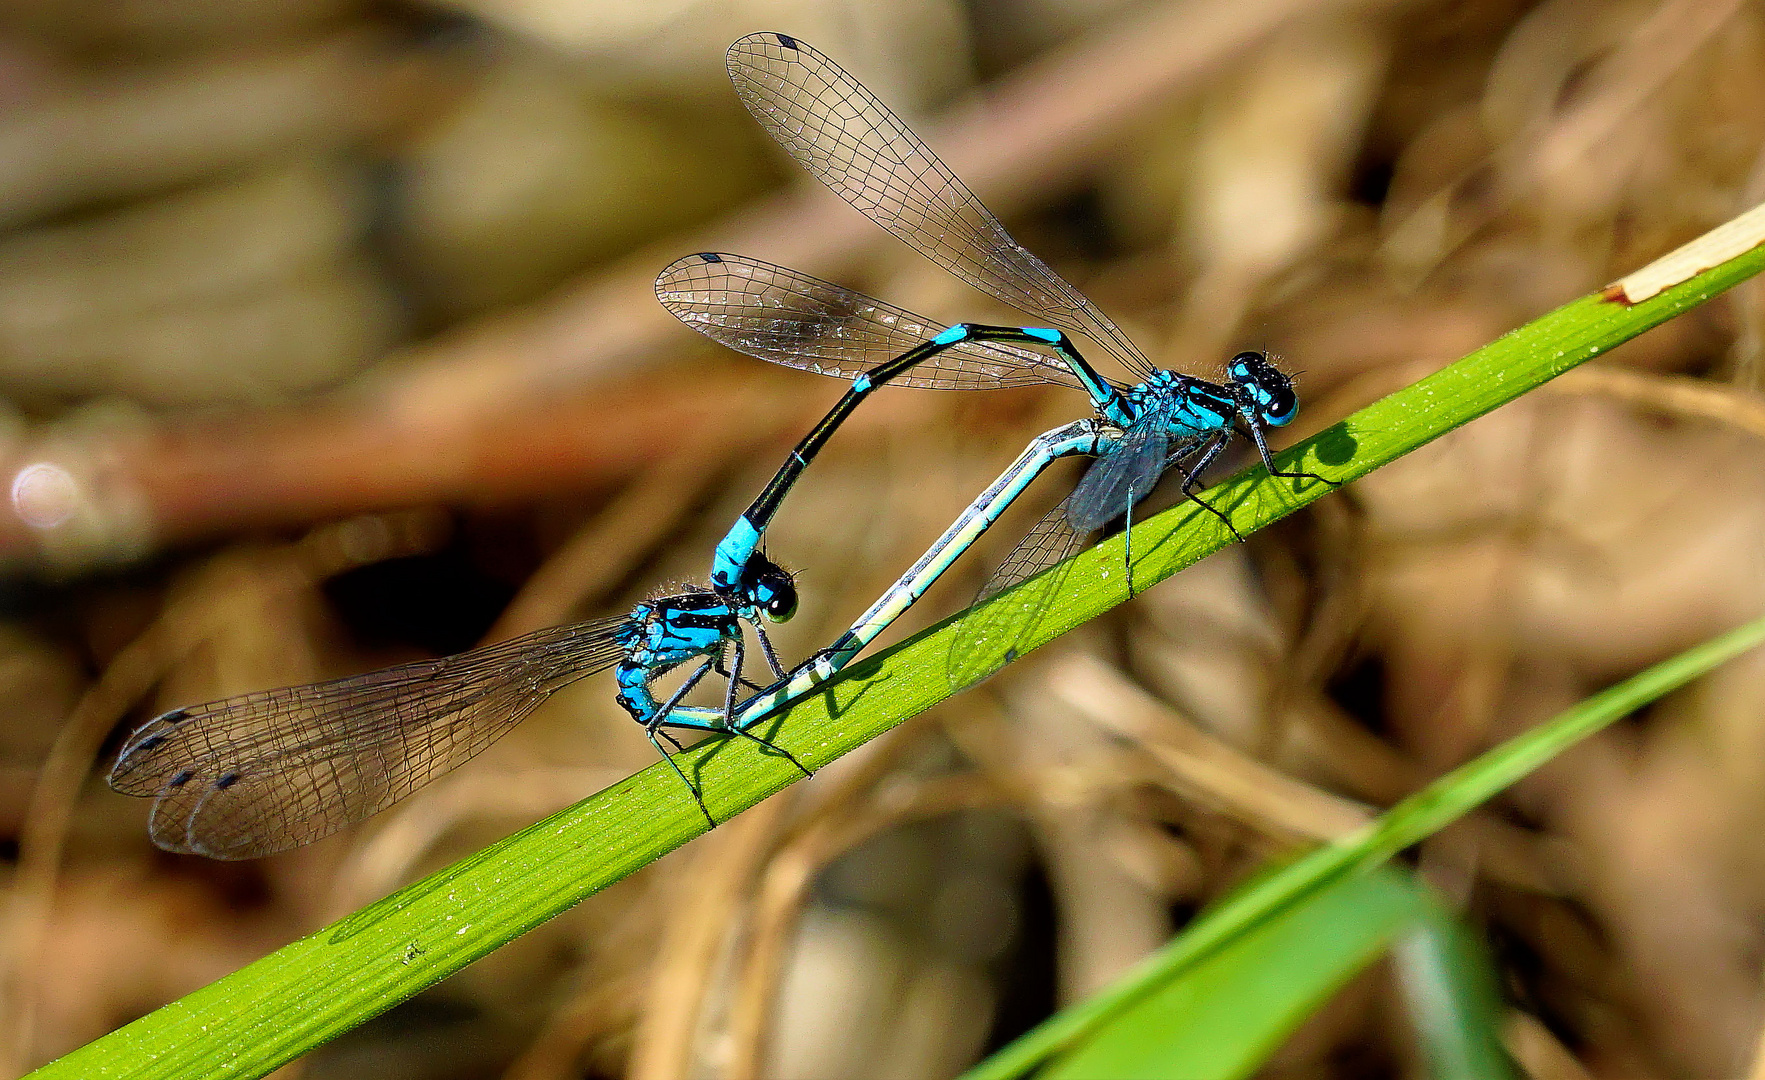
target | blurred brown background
x=326, y=341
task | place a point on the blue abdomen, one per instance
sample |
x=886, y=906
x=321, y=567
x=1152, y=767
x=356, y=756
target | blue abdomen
x=634, y=690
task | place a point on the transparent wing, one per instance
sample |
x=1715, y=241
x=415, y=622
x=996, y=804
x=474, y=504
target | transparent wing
x=776, y=314
x=1051, y=540
x=857, y=146
x=259, y=773
x=1125, y=475
x=1009, y=627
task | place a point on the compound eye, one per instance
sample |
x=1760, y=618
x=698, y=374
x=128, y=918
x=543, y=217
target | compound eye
x=781, y=605
x=1279, y=406
x=1246, y=366
x=775, y=594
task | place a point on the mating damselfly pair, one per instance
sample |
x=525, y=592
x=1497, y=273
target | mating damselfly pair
x=263, y=772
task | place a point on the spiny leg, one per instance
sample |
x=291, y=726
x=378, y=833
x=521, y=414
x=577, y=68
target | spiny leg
x=1268, y=460
x=1128, y=542
x=1190, y=486
x=722, y=730
x=734, y=678
x=675, y=698
x=729, y=703
x=652, y=728
x=771, y=656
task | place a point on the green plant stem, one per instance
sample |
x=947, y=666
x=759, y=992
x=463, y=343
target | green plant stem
x=1224, y=1014
x=277, y=1008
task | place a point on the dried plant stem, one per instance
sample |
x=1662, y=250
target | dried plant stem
x=687, y=965
x=128, y=678
x=786, y=888
x=556, y=1053
x=1202, y=766
x=604, y=550
x=1674, y=395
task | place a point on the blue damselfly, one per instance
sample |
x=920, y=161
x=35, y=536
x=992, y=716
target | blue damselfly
x=847, y=138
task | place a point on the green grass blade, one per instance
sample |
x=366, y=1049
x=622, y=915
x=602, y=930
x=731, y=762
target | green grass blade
x=1453, y=1002
x=285, y=1004
x=1410, y=821
x=1220, y=1018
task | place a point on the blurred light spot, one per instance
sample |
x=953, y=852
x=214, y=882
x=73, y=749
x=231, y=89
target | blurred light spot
x=44, y=495
x=365, y=539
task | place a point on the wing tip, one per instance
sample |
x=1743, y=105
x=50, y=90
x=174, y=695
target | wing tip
x=689, y=266
x=764, y=46
x=767, y=38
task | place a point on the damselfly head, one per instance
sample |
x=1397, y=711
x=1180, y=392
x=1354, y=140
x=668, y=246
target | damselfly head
x=769, y=587
x=1268, y=390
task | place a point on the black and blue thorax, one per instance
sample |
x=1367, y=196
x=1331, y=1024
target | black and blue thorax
x=1192, y=408
x=673, y=629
